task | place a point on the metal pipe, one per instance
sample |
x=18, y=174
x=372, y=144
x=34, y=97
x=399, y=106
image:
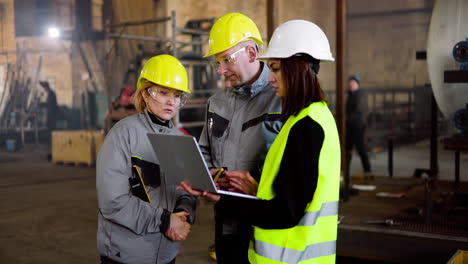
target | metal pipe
x=390, y=156
x=428, y=201
x=107, y=72
x=340, y=78
x=410, y=113
x=138, y=23
x=155, y=39
x=271, y=17
x=457, y=167
x=434, y=166
x=134, y=37
x=36, y=130
x=393, y=13
x=23, y=139
x=174, y=34
x=192, y=31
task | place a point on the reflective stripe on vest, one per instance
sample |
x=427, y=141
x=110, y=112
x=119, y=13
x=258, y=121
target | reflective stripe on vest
x=288, y=255
x=327, y=209
x=313, y=240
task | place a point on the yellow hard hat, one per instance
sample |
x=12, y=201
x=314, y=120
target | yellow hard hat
x=229, y=30
x=164, y=70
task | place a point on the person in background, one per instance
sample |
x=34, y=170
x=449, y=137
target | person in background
x=242, y=120
x=141, y=219
x=51, y=106
x=356, y=123
x=126, y=98
x=123, y=105
x=295, y=219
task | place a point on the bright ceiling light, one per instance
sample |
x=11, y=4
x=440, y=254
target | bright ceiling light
x=54, y=32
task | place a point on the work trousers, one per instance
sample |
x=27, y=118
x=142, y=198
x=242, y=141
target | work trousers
x=106, y=260
x=232, y=248
x=355, y=135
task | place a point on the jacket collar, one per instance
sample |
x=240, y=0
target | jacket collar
x=257, y=86
x=156, y=122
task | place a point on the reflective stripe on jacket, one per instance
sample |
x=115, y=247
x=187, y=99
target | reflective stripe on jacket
x=313, y=239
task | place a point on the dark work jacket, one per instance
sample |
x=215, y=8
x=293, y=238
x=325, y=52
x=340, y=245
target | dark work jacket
x=356, y=108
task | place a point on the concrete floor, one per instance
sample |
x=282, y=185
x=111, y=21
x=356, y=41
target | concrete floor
x=49, y=212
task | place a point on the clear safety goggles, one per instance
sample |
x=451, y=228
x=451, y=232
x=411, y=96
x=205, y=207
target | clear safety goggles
x=228, y=60
x=164, y=95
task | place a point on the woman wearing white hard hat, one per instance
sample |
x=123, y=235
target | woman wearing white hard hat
x=295, y=219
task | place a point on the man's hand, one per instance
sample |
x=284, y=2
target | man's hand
x=213, y=172
x=241, y=181
x=222, y=183
x=179, y=228
x=211, y=197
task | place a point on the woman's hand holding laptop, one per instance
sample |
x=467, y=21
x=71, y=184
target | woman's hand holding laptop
x=234, y=181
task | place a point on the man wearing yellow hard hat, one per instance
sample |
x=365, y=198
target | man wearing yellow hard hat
x=242, y=121
x=141, y=220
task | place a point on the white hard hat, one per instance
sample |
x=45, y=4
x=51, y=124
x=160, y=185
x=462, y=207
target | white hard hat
x=298, y=36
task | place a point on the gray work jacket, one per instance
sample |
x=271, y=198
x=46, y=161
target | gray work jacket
x=128, y=227
x=241, y=124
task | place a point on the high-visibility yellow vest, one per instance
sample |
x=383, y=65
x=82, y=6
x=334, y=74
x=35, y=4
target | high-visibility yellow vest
x=313, y=240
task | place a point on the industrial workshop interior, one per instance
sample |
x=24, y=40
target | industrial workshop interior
x=69, y=71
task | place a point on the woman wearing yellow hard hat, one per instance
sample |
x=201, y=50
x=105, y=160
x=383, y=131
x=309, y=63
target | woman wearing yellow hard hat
x=141, y=220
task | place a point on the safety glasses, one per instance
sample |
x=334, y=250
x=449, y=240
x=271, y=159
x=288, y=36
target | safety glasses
x=228, y=60
x=164, y=95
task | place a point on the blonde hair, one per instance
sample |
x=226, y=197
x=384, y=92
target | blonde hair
x=140, y=103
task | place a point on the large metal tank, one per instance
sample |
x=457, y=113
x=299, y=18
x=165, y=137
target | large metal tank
x=449, y=25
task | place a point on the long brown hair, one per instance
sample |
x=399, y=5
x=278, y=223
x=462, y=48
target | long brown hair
x=301, y=83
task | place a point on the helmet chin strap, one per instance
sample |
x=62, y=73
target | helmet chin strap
x=315, y=65
x=313, y=62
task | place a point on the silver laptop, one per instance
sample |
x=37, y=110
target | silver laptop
x=180, y=159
